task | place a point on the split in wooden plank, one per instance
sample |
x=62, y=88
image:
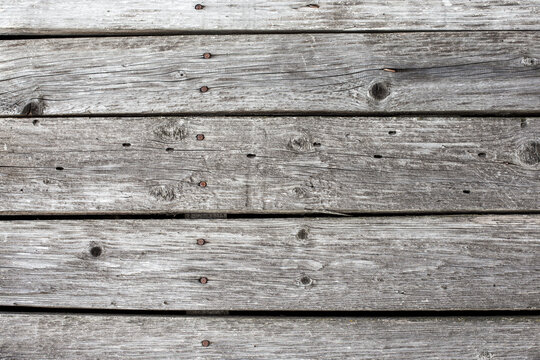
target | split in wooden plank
x=68, y=17
x=59, y=336
x=269, y=165
x=392, y=263
x=455, y=72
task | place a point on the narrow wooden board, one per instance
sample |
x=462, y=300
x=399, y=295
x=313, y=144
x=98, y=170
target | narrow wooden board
x=57, y=336
x=268, y=165
x=68, y=17
x=452, y=72
x=387, y=263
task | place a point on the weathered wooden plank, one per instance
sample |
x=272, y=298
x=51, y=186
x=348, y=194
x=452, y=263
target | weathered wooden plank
x=395, y=263
x=99, y=16
x=425, y=72
x=40, y=336
x=270, y=164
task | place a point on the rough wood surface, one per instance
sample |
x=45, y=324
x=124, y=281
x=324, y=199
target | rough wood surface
x=268, y=165
x=393, y=263
x=39, y=336
x=452, y=72
x=39, y=17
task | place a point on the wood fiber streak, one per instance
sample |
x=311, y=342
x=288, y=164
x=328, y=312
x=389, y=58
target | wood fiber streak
x=67, y=17
x=347, y=264
x=454, y=72
x=268, y=165
x=165, y=337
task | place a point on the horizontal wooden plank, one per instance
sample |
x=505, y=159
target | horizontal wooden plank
x=348, y=73
x=395, y=263
x=268, y=165
x=99, y=16
x=49, y=336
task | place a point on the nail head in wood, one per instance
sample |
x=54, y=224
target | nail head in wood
x=203, y=280
x=207, y=55
x=204, y=89
x=201, y=242
x=205, y=343
x=199, y=7
x=200, y=137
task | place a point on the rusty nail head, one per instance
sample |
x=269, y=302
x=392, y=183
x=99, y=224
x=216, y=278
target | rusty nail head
x=205, y=343
x=201, y=242
x=207, y=55
x=203, y=184
x=204, y=89
x=203, y=280
x=199, y=7
x=200, y=137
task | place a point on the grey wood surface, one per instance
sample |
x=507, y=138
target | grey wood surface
x=386, y=263
x=268, y=164
x=39, y=336
x=479, y=72
x=39, y=17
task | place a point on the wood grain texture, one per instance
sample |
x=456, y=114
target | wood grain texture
x=481, y=72
x=38, y=336
x=392, y=263
x=268, y=165
x=99, y=16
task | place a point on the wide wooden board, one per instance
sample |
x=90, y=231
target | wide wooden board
x=387, y=263
x=68, y=17
x=268, y=165
x=454, y=72
x=59, y=336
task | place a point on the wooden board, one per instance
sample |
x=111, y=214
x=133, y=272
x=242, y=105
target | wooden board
x=455, y=72
x=268, y=165
x=392, y=263
x=99, y=16
x=39, y=336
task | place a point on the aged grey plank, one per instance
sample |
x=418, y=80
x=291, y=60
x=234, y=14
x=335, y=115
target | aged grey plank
x=40, y=336
x=268, y=165
x=395, y=263
x=38, y=17
x=434, y=72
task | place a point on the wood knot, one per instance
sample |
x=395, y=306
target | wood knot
x=302, y=234
x=302, y=143
x=529, y=153
x=163, y=192
x=96, y=251
x=34, y=108
x=306, y=281
x=171, y=130
x=379, y=91
x=302, y=192
x=529, y=61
